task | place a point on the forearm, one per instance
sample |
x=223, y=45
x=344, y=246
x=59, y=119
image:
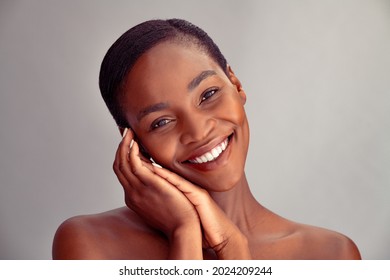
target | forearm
x=186, y=243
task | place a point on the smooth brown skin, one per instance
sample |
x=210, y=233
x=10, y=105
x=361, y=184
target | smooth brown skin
x=180, y=211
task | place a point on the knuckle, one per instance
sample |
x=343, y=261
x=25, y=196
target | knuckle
x=131, y=203
x=204, y=194
x=122, y=167
x=134, y=170
x=178, y=184
x=202, y=191
x=115, y=166
x=128, y=203
x=134, y=201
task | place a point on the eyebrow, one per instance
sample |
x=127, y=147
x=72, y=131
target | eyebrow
x=151, y=109
x=191, y=86
x=198, y=79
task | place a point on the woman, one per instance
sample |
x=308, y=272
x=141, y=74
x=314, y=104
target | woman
x=180, y=109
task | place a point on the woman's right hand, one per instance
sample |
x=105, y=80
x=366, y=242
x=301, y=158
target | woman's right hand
x=159, y=203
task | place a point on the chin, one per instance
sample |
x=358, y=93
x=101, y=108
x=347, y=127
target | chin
x=222, y=183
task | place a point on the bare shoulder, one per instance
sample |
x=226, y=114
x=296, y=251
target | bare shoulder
x=285, y=239
x=115, y=234
x=326, y=244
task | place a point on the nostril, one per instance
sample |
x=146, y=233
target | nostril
x=196, y=128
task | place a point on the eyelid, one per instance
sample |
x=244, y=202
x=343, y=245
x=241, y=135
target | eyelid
x=169, y=120
x=202, y=97
x=152, y=126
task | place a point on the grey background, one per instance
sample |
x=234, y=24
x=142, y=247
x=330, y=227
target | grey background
x=317, y=75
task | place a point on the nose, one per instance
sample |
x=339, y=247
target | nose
x=195, y=127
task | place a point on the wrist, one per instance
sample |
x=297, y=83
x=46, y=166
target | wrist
x=185, y=231
x=185, y=242
x=234, y=247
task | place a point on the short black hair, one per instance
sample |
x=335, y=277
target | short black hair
x=123, y=54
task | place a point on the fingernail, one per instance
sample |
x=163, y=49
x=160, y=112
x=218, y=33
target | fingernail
x=131, y=143
x=124, y=132
x=157, y=165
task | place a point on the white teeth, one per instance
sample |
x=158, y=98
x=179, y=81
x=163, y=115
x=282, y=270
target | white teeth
x=215, y=153
x=211, y=155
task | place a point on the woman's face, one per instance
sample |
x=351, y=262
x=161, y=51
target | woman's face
x=188, y=115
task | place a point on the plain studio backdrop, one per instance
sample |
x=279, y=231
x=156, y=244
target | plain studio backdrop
x=317, y=76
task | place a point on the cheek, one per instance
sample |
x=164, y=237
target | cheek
x=237, y=116
x=232, y=110
x=162, y=150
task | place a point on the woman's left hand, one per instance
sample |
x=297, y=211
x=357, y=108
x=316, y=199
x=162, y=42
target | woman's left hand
x=220, y=233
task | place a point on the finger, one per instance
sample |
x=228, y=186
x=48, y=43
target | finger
x=140, y=166
x=126, y=143
x=121, y=164
x=126, y=185
x=122, y=157
x=134, y=172
x=144, y=171
x=194, y=193
x=176, y=180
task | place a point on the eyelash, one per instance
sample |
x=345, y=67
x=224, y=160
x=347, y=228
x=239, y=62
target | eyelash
x=157, y=124
x=206, y=95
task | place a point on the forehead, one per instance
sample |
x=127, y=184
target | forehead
x=163, y=71
x=167, y=62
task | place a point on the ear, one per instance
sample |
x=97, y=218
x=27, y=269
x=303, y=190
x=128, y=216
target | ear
x=236, y=82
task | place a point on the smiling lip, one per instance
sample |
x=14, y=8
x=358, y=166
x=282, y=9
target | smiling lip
x=206, y=154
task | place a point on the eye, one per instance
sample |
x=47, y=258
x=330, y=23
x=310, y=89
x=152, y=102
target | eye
x=159, y=123
x=207, y=94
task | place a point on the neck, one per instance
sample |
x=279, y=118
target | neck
x=240, y=205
